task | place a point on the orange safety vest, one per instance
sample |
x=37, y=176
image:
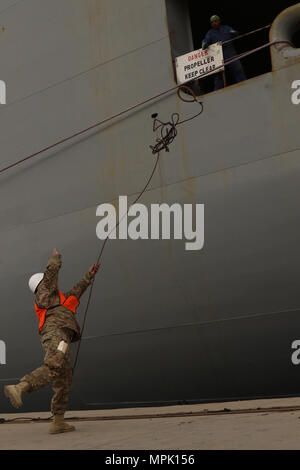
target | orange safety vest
x=70, y=303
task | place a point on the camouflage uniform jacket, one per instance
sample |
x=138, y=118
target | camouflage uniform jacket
x=47, y=297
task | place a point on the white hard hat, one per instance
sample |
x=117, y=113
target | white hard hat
x=34, y=281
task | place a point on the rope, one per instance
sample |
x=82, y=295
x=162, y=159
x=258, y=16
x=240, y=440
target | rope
x=176, y=414
x=30, y=419
x=141, y=103
x=168, y=130
x=99, y=259
x=168, y=134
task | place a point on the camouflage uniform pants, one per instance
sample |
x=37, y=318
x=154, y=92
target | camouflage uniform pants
x=57, y=368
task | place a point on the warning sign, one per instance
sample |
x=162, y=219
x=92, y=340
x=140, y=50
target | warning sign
x=198, y=63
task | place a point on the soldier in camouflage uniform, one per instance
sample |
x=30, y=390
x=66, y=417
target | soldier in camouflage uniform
x=57, y=332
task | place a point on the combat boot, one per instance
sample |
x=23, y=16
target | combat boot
x=14, y=393
x=59, y=425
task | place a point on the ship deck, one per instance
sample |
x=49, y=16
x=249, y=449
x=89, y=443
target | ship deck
x=257, y=424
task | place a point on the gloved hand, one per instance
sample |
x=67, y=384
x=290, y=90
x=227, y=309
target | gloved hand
x=204, y=45
x=94, y=269
x=233, y=33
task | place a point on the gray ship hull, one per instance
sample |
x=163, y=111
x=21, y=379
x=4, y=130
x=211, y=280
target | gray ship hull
x=165, y=325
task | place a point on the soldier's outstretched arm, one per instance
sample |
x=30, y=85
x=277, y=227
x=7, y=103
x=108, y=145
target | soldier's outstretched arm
x=82, y=285
x=51, y=274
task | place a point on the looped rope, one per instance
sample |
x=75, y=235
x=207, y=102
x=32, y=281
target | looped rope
x=190, y=91
x=168, y=130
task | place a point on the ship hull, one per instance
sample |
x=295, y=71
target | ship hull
x=165, y=325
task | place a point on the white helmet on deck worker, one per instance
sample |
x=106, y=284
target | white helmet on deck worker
x=34, y=281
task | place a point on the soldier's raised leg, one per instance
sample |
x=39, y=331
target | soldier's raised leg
x=56, y=369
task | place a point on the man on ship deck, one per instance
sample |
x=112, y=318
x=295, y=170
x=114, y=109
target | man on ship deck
x=223, y=33
x=58, y=328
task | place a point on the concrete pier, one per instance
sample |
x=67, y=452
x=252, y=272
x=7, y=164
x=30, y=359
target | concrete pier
x=257, y=424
